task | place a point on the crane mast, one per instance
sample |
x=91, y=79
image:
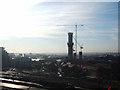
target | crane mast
x=76, y=39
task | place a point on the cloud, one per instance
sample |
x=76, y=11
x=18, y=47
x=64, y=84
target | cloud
x=18, y=20
x=36, y=18
x=114, y=37
x=109, y=32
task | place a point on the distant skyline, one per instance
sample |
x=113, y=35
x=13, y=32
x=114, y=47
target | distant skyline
x=28, y=26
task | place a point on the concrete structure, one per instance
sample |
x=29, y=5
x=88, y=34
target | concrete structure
x=80, y=55
x=74, y=56
x=70, y=45
x=0, y=65
x=4, y=58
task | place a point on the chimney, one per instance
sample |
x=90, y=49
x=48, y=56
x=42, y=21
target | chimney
x=75, y=56
x=80, y=55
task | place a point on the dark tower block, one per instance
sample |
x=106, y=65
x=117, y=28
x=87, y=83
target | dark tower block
x=80, y=55
x=74, y=56
x=70, y=45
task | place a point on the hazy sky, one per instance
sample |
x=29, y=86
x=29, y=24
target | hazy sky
x=30, y=25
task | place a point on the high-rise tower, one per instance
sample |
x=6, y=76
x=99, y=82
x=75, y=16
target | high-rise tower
x=70, y=45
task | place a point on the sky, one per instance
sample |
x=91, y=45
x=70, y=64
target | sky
x=31, y=26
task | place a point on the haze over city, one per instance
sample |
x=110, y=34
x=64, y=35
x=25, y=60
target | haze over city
x=32, y=26
x=59, y=45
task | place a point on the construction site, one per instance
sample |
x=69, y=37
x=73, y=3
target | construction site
x=74, y=71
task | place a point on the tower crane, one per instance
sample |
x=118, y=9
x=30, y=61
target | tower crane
x=76, y=26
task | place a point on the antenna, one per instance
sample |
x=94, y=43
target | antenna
x=76, y=26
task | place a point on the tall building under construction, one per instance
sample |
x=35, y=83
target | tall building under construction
x=70, y=45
